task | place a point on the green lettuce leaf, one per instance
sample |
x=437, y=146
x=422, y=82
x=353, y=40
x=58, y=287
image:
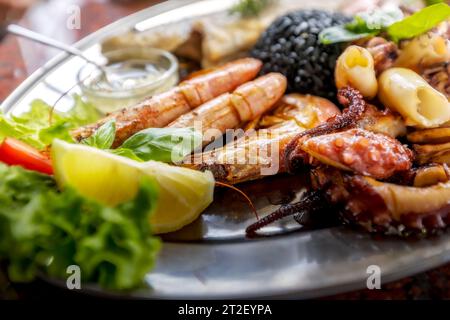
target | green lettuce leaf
x=40, y=124
x=42, y=230
x=10, y=128
x=38, y=116
x=82, y=112
x=59, y=130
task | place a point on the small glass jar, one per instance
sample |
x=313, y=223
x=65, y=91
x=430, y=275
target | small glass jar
x=133, y=74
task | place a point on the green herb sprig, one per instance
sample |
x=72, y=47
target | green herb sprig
x=157, y=144
x=389, y=21
x=250, y=8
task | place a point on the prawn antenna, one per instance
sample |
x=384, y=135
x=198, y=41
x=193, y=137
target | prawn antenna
x=242, y=193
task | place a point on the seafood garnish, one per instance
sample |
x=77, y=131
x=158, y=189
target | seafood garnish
x=432, y=153
x=311, y=201
x=160, y=110
x=430, y=136
x=430, y=175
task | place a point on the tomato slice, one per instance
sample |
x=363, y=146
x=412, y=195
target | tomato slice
x=15, y=152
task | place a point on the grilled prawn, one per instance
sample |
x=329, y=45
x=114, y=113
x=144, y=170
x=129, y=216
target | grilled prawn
x=261, y=152
x=160, y=110
x=231, y=110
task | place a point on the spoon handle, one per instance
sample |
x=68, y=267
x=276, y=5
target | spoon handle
x=42, y=39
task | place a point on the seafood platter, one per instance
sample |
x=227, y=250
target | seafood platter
x=234, y=149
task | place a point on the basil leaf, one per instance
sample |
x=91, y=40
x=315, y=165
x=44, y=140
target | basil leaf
x=340, y=34
x=419, y=23
x=163, y=144
x=363, y=25
x=127, y=153
x=103, y=138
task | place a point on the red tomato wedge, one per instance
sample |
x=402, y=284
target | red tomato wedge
x=16, y=153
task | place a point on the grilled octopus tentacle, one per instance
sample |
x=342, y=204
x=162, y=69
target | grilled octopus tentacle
x=394, y=209
x=355, y=108
x=360, y=151
x=311, y=199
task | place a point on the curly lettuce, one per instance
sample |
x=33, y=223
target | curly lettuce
x=40, y=124
x=43, y=230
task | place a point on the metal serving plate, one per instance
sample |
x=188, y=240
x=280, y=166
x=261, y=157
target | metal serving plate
x=212, y=258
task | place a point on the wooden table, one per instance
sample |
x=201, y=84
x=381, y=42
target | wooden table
x=16, y=63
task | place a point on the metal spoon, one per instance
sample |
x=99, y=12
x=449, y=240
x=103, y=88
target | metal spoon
x=42, y=39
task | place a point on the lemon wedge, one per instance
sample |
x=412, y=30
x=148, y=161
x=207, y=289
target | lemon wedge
x=110, y=179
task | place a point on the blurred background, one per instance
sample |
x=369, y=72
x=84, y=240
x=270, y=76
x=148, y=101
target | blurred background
x=19, y=58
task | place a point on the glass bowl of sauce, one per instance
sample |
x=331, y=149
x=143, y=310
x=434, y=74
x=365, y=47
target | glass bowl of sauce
x=129, y=76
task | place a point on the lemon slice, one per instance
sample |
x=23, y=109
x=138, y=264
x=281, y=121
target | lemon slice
x=111, y=179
